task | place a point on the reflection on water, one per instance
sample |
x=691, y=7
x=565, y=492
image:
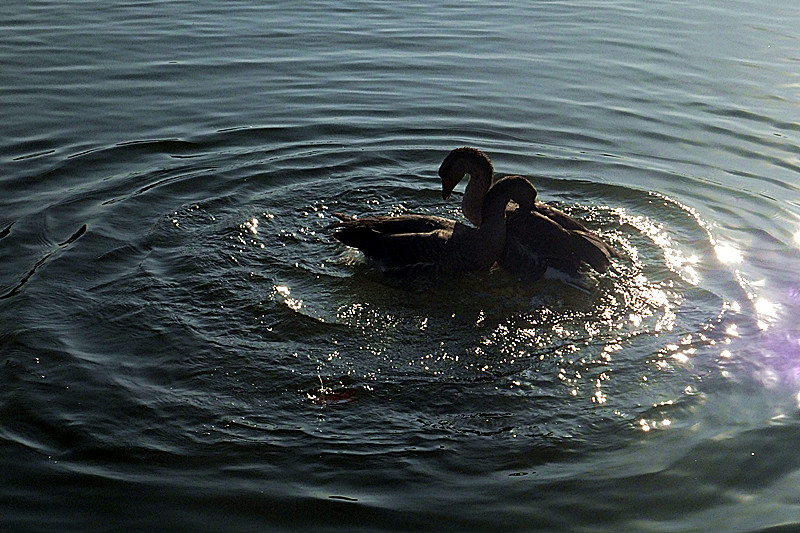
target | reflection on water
x=176, y=322
x=728, y=254
x=605, y=347
x=767, y=311
x=268, y=333
x=292, y=303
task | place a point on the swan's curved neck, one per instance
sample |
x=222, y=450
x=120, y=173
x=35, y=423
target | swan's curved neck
x=480, y=180
x=494, y=203
x=480, y=247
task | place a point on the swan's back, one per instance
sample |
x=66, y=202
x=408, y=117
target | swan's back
x=537, y=240
x=408, y=242
x=440, y=244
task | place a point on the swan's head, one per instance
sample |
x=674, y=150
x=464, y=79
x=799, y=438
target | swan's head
x=459, y=163
x=509, y=189
x=522, y=191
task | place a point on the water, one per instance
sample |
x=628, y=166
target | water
x=184, y=348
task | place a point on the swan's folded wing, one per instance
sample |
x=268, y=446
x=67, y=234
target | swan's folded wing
x=414, y=251
x=561, y=218
x=533, y=241
x=563, y=248
x=386, y=241
x=592, y=249
x=521, y=260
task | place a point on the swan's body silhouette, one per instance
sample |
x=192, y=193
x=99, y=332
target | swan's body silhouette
x=430, y=243
x=537, y=238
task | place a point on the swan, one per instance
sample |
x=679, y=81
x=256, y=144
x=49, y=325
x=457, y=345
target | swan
x=411, y=243
x=538, y=238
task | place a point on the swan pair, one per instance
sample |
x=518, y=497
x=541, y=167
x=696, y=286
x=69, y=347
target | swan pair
x=525, y=237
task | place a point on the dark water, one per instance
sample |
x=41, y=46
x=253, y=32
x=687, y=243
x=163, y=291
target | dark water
x=184, y=348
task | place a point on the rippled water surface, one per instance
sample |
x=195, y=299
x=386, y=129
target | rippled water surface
x=184, y=347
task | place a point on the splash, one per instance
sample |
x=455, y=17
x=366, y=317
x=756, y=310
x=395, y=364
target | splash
x=677, y=259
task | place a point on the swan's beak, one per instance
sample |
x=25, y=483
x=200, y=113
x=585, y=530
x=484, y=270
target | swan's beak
x=447, y=184
x=447, y=189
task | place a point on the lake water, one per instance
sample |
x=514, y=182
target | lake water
x=183, y=347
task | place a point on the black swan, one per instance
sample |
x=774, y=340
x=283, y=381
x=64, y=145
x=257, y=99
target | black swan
x=536, y=238
x=413, y=243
